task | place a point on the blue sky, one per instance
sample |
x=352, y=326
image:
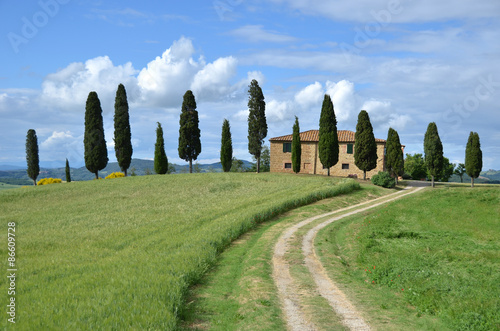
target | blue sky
x=407, y=63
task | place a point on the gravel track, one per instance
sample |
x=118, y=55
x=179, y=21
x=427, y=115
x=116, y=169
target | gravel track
x=288, y=288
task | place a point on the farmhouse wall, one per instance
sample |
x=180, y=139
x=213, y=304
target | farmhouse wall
x=310, y=163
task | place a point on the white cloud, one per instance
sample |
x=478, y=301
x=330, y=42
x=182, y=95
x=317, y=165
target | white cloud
x=212, y=82
x=167, y=78
x=162, y=83
x=343, y=98
x=310, y=96
x=278, y=111
x=68, y=88
x=378, y=110
x=256, y=33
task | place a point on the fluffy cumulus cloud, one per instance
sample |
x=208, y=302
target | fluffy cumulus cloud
x=69, y=87
x=343, y=98
x=162, y=83
x=277, y=111
x=307, y=102
x=212, y=82
x=170, y=75
x=311, y=95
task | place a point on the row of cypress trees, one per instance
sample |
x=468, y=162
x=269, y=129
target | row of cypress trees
x=433, y=149
x=95, y=149
x=96, y=157
x=365, y=153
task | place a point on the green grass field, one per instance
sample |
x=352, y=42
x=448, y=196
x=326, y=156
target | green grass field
x=121, y=253
x=4, y=186
x=429, y=262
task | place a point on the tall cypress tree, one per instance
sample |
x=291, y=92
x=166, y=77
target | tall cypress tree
x=365, y=147
x=433, y=149
x=328, y=145
x=394, y=155
x=226, y=148
x=189, y=132
x=161, y=161
x=473, y=157
x=32, y=155
x=96, y=153
x=257, y=124
x=296, y=147
x=123, y=144
x=68, y=173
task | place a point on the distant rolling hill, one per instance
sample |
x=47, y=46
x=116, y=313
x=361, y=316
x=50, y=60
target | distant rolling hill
x=17, y=176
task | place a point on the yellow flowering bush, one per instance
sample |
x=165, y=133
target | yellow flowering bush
x=46, y=181
x=115, y=175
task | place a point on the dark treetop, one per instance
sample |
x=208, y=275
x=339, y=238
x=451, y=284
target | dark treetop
x=433, y=149
x=189, y=132
x=296, y=147
x=96, y=153
x=365, y=147
x=257, y=125
x=226, y=149
x=328, y=145
x=32, y=155
x=123, y=144
x=161, y=161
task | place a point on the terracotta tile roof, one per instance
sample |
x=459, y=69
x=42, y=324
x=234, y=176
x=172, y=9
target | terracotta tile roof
x=313, y=136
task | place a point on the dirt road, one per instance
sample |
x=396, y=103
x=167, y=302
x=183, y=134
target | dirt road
x=289, y=288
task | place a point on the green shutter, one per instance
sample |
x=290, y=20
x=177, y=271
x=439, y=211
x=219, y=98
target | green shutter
x=349, y=148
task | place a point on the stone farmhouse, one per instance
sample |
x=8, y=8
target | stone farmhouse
x=281, y=155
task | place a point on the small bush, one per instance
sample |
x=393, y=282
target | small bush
x=46, y=181
x=383, y=179
x=115, y=175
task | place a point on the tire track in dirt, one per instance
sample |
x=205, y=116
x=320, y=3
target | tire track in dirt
x=288, y=288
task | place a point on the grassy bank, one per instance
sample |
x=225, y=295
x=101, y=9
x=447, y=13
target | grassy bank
x=121, y=253
x=428, y=262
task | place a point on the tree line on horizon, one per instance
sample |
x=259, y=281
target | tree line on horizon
x=189, y=147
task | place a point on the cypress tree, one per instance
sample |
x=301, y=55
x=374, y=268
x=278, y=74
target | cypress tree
x=161, y=161
x=226, y=149
x=189, y=132
x=123, y=144
x=473, y=157
x=96, y=153
x=433, y=149
x=32, y=155
x=394, y=155
x=68, y=174
x=365, y=147
x=296, y=148
x=257, y=125
x=328, y=145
